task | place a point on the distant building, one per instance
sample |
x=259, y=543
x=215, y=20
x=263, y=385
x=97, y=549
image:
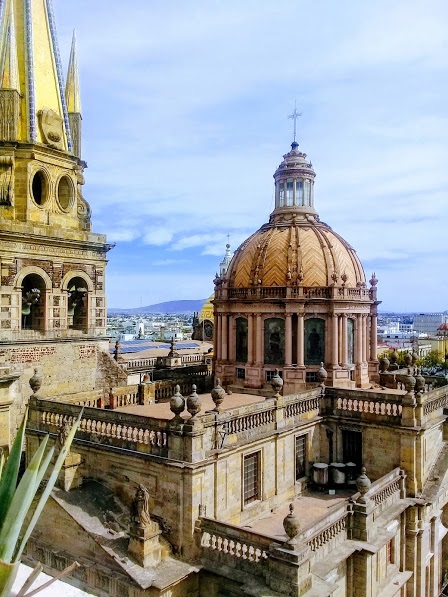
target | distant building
x=428, y=323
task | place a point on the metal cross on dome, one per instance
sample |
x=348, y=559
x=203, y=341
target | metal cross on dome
x=294, y=116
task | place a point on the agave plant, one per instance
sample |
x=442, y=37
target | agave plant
x=16, y=499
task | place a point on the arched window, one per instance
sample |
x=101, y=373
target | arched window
x=307, y=194
x=314, y=341
x=289, y=192
x=281, y=194
x=33, y=303
x=350, y=341
x=241, y=340
x=77, y=304
x=299, y=192
x=274, y=341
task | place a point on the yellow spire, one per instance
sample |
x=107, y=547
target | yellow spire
x=35, y=68
x=72, y=89
x=9, y=67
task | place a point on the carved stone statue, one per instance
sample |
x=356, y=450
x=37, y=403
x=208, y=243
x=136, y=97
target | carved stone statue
x=63, y=435
x=140, y=508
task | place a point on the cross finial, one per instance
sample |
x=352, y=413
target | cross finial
x=294, y=116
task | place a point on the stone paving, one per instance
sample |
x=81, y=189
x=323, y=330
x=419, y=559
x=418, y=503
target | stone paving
x=309, y=507
x=161, y=410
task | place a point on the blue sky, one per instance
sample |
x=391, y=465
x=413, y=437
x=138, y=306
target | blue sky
x=185, y=108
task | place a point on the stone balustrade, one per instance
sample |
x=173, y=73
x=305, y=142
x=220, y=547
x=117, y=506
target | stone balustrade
x=387, y=490
x=236, y=547
x=305, y=292
x=131, y=432
x=435, y=401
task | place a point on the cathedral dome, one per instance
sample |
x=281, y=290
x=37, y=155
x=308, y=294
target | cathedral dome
x=305, y=252
x=295, y=247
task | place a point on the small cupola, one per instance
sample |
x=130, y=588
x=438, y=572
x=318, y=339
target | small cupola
x=294, y=184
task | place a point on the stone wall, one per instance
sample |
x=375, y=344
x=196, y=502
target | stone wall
x=65, y=367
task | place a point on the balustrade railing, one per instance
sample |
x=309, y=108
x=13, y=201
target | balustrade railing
x=102, y=426
x=306, y=292
x=391, y=409
x=301, y=406
x=251, y=421
x=234, y=546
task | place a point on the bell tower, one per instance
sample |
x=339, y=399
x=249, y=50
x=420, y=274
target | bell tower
x=52, y=265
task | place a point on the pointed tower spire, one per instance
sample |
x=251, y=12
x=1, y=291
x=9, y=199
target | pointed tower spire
x=72, y=90
x=73, y=98
x=9, y=70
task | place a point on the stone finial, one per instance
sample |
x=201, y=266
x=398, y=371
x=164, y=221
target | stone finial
x=419, y=381
x=373, y=280
x=177, y=404
x=291, y=524
x=414, y=357
x=384, y=364
x=35, y=383
x=363, y=484
x=218, y=394
x=277, y=383
x=409, y=381
x=193, y=402
x=322, y=374
x=344, y=278
x=408, y=359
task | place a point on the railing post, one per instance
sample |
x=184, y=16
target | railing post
x=289, y=572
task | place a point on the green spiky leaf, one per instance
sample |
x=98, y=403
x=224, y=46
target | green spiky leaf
x=50, y=484
x=11, y=473
x=20, y=504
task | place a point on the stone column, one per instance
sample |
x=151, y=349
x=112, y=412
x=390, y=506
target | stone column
x=373, y=336
x=340, y=352
x=232, y=338
x=358, y=339
x=344, y=342
x=288, y=340
x=250, y=339
x=334, y=341
x=300, y=339
x=224, y=340
x=259, y=339
x=218, y=337
x=364, y=338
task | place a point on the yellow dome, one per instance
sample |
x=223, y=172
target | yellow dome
x=301, y=251
x=207, y=310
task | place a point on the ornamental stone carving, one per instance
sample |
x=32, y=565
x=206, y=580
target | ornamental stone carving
x=51, y=125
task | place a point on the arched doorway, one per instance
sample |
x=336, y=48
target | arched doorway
x=33, y=303
x=77, y=307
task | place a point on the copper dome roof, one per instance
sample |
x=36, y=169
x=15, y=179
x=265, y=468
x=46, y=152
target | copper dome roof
x=302, y=251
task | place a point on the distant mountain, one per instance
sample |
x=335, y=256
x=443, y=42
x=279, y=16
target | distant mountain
x=168, y=307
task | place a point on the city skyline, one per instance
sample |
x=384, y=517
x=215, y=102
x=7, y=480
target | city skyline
x=185, y=117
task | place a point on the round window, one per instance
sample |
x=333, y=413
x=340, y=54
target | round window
x=65, y=193
x=39, y=188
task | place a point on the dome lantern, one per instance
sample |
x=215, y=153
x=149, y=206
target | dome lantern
x=294, y=185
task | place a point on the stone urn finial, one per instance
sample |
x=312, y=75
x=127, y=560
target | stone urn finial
x=419, y=381
x=363, y=484
x=384, y=364
x=408, y=359
x=322, y=374
x=35, y=382
x=177, y=404
x=291, y=524
x=193, y=402
x=409, y=381
x=277, y=383
x=218, y=394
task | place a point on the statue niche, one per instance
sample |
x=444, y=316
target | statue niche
x=6, y=180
